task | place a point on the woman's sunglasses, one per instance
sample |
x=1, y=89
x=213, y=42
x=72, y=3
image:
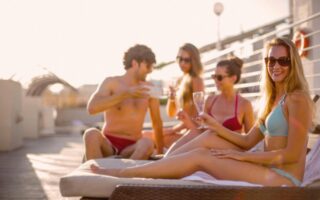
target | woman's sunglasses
x=283, y=61
x=218, y=77
x=182, y=59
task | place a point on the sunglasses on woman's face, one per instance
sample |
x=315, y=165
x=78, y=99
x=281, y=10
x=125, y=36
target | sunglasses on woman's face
x=182, y=59
x=218, y=77
x=282, y=61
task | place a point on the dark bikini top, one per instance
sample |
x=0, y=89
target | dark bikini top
x=231, y=123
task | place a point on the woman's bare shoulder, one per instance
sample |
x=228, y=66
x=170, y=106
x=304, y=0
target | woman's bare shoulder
x=211, y=97
x=298, y=97
x=197, y=84
x=244, y=101
x=197, y=81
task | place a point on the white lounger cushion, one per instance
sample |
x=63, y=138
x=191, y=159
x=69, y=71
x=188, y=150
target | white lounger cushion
x=312, y=169
x=81, y=182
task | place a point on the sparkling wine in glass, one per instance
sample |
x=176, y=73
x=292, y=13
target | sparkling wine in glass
x=198, y=100
x=173, y=86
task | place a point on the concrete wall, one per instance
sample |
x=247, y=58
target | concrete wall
x=10, y=115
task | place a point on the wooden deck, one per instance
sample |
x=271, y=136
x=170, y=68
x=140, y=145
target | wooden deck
x=33, y=171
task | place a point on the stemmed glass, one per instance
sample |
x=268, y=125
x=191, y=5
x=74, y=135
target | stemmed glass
x=173, y=85
x=198, y=100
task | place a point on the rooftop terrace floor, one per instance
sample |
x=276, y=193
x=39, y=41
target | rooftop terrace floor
x=33, y=171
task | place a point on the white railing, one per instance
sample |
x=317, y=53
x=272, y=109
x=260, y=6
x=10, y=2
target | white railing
x=253, y=62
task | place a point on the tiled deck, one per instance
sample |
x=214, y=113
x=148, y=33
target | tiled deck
x=33, y=171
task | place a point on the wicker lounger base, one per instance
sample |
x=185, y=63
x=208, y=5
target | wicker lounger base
x=158, y=192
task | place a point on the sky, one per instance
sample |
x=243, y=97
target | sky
x=83, y=41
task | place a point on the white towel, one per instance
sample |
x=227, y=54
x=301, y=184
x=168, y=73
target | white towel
x=204, y=177
x=312, y=168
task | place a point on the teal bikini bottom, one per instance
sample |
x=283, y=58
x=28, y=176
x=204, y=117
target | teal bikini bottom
x=285, y=174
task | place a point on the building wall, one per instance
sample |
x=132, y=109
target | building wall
x=302, y=9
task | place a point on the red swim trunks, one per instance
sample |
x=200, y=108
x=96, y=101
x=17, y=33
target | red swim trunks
x=118, y=144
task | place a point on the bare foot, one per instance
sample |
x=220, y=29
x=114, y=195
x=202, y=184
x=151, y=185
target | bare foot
x=110, y=172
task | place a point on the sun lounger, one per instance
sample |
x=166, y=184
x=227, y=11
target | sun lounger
x=310, y=188
x=83, y=183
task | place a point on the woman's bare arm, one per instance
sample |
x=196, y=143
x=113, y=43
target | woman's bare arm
x=299, y=120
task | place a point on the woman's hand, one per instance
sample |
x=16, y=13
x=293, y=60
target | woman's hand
x=228, y=153
x=172, y=92
x=209, y=121
x=184, y=117
x=168, y=131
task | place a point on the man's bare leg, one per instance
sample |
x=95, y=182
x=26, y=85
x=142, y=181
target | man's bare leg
x=141, y=150
x=96, y=145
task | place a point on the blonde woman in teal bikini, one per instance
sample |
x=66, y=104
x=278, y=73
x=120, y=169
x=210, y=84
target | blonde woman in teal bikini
x=283, y=124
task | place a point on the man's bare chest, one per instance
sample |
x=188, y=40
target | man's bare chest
x=133, y=104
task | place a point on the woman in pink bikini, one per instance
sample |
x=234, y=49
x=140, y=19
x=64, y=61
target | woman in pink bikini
x=228, y=107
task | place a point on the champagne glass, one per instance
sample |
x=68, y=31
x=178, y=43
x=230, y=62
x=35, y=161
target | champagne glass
x=198, y=100
x=173, y=85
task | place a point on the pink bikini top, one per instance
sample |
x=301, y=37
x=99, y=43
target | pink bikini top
x=231, y=123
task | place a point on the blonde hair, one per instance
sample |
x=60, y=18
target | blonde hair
x=295, y=81
x=185, y=82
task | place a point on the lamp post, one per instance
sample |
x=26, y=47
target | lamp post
x=218, y=9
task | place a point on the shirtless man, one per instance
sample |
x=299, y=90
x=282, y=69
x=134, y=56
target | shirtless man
x=125, y=101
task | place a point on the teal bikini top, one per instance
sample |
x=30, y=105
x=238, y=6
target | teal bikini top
x=276, y=124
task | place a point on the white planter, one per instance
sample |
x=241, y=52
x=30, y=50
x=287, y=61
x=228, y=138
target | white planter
x=47, y=121
x=11, y=118
x=31, y=114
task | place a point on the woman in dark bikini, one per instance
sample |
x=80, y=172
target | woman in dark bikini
x=228, y=107
x=180, y=95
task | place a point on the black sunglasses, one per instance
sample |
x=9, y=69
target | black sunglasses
x=218, y=77
x=182, y=59
x=283, y=61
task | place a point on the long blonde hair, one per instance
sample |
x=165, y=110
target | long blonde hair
x=295, y=81
x=185, y=82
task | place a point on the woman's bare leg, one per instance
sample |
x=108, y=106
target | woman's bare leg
x=190, y=135
x=229, y=169
x=164, y=168
x=200, y=160
x=207, y=140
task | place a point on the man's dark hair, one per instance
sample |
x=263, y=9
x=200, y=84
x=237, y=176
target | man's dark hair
x=139, y=53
